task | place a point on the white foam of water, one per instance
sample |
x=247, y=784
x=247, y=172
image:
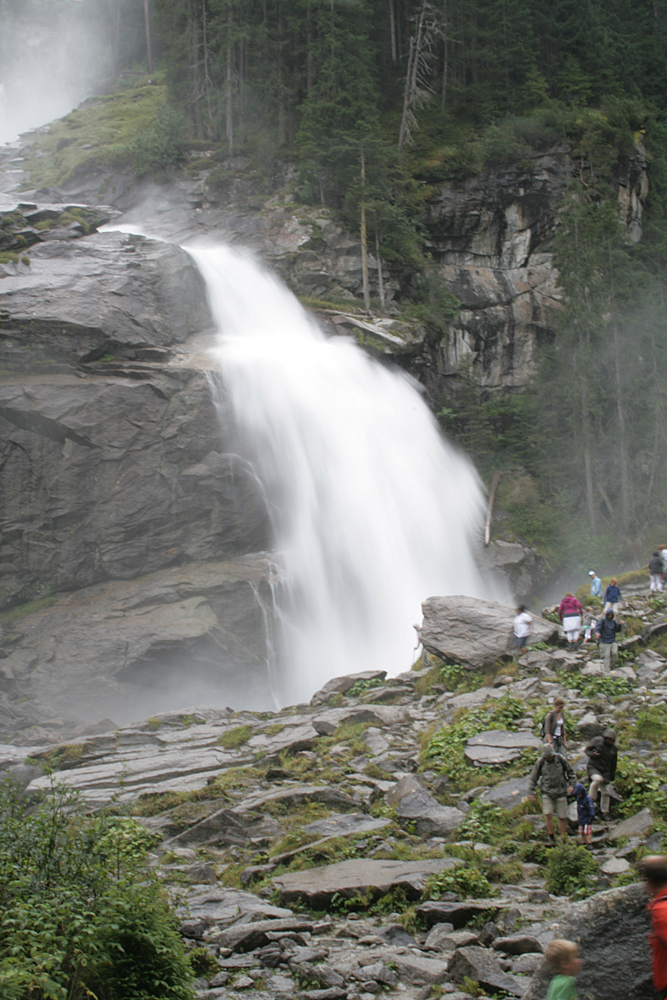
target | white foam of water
x=373, y=511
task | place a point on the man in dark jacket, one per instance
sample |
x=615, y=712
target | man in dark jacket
x=556, y=779
x=655, y=872
x=602, y=759
x=606, y=630
x=655, y=569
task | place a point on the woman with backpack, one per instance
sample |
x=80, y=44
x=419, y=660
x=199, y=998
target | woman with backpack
x=554, y=728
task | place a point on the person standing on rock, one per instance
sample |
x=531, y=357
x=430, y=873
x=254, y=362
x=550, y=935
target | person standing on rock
x=601, y=769
x=556, y=779
x=569, y=613
x=554, y=728
x=606, y=630
x=523, y=626
x=596, y=584
x=612, y=596
x=655, y=569
x=654, y=870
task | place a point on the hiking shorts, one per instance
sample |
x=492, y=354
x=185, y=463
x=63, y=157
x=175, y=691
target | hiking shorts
x=557, y=806
x=587, y=828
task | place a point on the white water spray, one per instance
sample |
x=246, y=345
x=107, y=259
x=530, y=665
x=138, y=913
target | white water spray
x=372, y=510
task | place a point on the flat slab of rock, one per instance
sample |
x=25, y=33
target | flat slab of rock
x=496, y=746
x=225, y=907
x=438, y=911
x=418, y=970
x=615, y=866
x=633, y=826
x=472, y=631
x=508, y=794
x=296, y=794
x=589, y=726
x=415, y=805
x=345, y=824
x=482, y=966
x=248, y=936
x=316, y=886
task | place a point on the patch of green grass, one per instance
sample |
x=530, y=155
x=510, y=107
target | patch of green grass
x=651, y=724
x=15, y=614
x=106, y=125
x=235, y=737
x=446, y=746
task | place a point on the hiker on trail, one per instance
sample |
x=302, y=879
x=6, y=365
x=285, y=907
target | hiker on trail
x=588, y=622
x=556, y=779
x=569, y=613
x=523, y=626
x=601, y=769
x=663, y=556
x=585, y=814
x=656, y=569
x=612, y=596
x=596, y=584
x=606, y=630
x=563, y=958
x=654, y=870
x=554, y=728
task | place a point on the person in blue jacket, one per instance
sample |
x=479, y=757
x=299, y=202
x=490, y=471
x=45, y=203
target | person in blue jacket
x=612, y=596
x=596, y=584
x=585, y=813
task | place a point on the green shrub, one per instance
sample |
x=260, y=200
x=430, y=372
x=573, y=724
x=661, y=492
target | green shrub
x=80, y=913
x=570, y=871
x=466, y=882
x=361, y=686
x=159, y=146
x=639, y=787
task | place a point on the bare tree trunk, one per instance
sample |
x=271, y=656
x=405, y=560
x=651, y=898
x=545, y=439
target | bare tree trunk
x=588, y=465
x=380, y=276
x=229, y=91
x=489, y=507
x=622, y=435
x=443, y=95
x=364, y=246
x=392, y=31
x=147, y=28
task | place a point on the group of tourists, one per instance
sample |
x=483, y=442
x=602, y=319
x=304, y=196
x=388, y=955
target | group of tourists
x=564, y=958
x=554, y=776
x=576, y=618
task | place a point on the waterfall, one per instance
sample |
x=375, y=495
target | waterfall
x=372, y=510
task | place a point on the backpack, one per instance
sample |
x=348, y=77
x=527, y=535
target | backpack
x=543, y=727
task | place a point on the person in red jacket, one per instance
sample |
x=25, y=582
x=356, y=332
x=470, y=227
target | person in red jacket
x=569, y=613
x=654, y=869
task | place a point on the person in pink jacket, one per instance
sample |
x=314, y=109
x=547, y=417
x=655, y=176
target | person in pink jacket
x=569, y=613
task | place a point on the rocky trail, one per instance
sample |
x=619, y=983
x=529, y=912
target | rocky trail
x=379, y=838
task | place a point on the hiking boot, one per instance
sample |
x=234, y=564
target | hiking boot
x=551, y=840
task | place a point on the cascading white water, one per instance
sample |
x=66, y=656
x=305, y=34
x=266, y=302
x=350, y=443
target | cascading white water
x=372, y=510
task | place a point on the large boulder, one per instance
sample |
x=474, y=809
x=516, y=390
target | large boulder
x=416, y=807
x=611, y=929
x=474, y=632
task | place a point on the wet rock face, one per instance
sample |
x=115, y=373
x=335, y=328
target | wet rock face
x=614, y=968
x=117, y=462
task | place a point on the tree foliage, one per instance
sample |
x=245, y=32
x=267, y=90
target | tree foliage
x=80, y=913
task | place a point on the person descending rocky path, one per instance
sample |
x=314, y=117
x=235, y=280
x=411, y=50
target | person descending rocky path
x=380, y=839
